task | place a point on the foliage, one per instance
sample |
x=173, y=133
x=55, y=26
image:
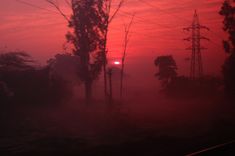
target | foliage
x=228, y=12
x=229, y=75
x=16, y=60
x=167, y=68
x=88, y=36
x=23, y=84
x=89, y=22
x=65, y=67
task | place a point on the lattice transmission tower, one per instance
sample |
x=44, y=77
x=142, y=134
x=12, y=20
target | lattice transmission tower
x=196, y=68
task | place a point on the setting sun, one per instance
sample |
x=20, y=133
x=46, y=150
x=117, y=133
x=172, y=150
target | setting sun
x=117, y=62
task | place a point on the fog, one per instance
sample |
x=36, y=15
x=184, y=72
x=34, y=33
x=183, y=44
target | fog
x=90, y=84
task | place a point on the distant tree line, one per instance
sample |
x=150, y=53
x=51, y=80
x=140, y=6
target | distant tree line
x=182, y=86
x=22, y=82
x=206, y=85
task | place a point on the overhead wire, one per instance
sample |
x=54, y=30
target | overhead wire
x=36, y=6
x=140, y=19
x=173, y=15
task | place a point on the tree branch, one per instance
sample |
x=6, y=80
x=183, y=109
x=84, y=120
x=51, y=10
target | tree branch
x=126, y=40
x=58, y=9
x=68, y=3
x=116, y=11
x=127, y=34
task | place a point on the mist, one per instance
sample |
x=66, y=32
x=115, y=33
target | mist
x=94, y=78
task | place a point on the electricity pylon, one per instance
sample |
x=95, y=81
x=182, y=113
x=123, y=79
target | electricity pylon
x=196, y=68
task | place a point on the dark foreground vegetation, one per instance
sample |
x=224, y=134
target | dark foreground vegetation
x=166, y=127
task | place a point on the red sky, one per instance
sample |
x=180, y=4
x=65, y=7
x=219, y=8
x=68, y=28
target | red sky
x=157, y=30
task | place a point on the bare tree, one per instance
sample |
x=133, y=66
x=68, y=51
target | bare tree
x=56, y=5
x=126, y=41
x=108, y=20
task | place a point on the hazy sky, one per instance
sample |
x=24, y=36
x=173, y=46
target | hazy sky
x=157, y=30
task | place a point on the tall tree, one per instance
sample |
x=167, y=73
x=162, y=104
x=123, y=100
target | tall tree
x=87, y=38
x=167, y=68
x=228, y=12
x=90, y=23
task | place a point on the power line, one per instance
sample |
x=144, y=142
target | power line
x=140, y=20
x=36, y=6
x=153, y=6
x=178, y=17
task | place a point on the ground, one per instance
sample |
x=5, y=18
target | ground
x=151, y=125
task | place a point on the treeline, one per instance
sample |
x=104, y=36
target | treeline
x=22, y=82
x=203, y=86
x=175, y=85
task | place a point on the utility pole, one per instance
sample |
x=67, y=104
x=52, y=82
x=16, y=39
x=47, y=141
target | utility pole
x=108, y=20
x=196, y=68
x=110, y=73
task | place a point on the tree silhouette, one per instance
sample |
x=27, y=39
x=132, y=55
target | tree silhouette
x=13, y=63
x=167, y=69
x=87, y=38
x=90, y=23
x=16, y=60
x=65, y=67
x=228, y=11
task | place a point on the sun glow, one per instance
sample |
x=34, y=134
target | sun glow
x=116, y=62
